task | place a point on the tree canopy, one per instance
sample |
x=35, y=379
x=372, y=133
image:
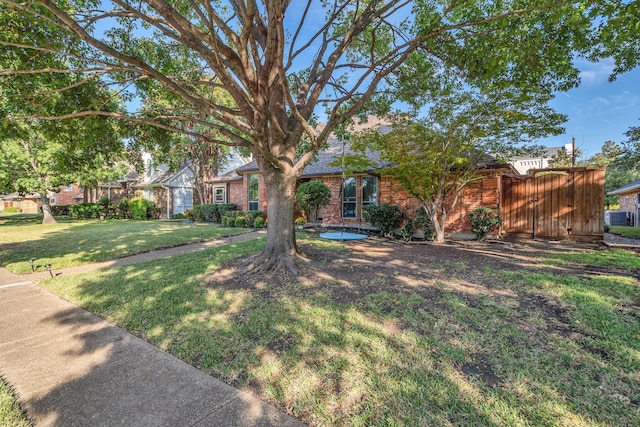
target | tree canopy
x=283, y=63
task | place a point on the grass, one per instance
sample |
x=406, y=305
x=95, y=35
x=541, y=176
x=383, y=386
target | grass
x=10, y=413
x=626, y=231
x=395, y=358
x=71, y=243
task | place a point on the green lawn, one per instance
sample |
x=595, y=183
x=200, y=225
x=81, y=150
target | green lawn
x=10, y=413
x=71, y=243
x=553, y=346
x=626, y=231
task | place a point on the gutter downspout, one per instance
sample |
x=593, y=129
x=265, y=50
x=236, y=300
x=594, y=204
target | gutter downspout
x=168, y=193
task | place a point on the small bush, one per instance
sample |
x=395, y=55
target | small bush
x=384, y=217
x=299, y=221
x=84, y=210
x=423, y=222
x=60, y=210
x=140, y=208
x=258, y=222
x=607, y=228
x=210, y=212
x=188, y=214
x=178, y=216
x=240, y=221
x=312, y=196
x=484, y=221
x=224, y=209
x=13, y=209
x=251, y=216
x=123, y=209
x=198, y=213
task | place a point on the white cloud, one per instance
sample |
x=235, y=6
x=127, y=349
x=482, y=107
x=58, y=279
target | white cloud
x=592, y=73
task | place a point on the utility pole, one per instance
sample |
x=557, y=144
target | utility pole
x=573, y=152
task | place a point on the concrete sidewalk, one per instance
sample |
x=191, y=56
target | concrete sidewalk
x=147, y=256
x=72, y=368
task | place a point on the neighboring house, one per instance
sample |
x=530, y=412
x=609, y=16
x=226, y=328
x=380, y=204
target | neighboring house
x=120, y=189
x=245, y=187
x=32, y=202
x=28, y=203
x=523, y=164
x=171, y=192
x=629, y=198
x=71, y=194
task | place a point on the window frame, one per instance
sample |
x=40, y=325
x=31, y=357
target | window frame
x=223, y=193
x=351, y=200
x=374, y=200
x=253, y=180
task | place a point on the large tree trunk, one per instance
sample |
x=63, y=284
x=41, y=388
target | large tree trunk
x=281, y=251
x=46, y=210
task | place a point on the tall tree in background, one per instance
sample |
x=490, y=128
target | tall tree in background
x=281, y=64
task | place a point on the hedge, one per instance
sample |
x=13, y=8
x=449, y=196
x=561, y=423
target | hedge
x=212, y=212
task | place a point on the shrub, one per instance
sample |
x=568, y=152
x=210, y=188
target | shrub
x=140, y=208
x=250, y=216
x=223, y=209
x=188, y=214
x=484, y=221
x=14, y=209
x=423, y=222
x=240, y=221
x=85, y=210
x=210, y=212
x=198, y=213
x=258, y=222
x=312, y=196
x=384, y=217
x=299, y=221
x=178, y=216
x=123, y=209
x=60, y=210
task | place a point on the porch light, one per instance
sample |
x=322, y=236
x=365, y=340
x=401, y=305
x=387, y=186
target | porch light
x=48, y=268
x=31, y=262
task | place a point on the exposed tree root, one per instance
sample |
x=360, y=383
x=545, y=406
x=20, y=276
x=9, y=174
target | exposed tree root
x=271, y=261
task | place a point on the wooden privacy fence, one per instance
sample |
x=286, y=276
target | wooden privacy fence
x=557, y=203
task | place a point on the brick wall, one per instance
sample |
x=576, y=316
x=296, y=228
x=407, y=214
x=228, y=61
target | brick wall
x=64, y=197
x=485, y=192
x=238, y=194
x=628, y=201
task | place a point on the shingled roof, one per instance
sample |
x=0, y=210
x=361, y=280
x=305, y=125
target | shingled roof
x=328, y=160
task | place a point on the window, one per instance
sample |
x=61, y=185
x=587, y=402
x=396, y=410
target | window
x=349, y=197
x=219, y=195
x=253, y=192
x=182, y=200
x=369, y=190
x=147, y=194
x=52, y=201
x=68, y=188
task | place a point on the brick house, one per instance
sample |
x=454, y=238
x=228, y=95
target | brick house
x=245, y=187
x=629, y=198
x=27, y=203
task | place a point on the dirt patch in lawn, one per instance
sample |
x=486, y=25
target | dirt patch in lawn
x=374, y=265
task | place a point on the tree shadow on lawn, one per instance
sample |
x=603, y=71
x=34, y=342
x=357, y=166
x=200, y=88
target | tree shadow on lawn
x=380, y=334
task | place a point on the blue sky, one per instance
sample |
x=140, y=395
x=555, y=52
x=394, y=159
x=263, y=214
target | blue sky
x=598, y=110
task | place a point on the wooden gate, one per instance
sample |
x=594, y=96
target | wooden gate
x=557, y=203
